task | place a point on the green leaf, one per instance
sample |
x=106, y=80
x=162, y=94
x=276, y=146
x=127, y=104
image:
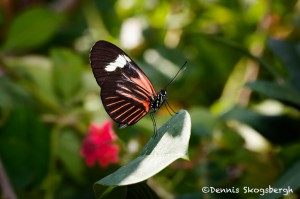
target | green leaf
x=134, y=191
x=287, y=53
x=12, y=94
x=271, y=127
x=114, y=193
x=67, y=70
x=24, y=147
x=37, y=70
x=289, y=179
x=276, y=91
x=32, y=28
x=170, y=143
x=206, y=125
x=68, y=152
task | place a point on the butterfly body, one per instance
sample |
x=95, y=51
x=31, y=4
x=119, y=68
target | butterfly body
x=126, y=92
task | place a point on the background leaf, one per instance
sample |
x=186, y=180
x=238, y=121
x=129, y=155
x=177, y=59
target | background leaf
x=24, y=147
x=68, y=150
x=289, y=179
x=67, y=71
x=32, y=29
x=276, y=91
x=289, y=56
x=134, y=191
x=271, y=127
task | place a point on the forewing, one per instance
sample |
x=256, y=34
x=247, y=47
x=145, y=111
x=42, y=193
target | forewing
x=110, y=62
x=125, y=89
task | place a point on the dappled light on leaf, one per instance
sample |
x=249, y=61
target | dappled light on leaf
x=170, y=143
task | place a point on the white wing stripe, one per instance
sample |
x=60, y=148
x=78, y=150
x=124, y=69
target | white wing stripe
x=120, y=62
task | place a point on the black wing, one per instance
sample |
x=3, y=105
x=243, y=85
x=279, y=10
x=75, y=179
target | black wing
x=125, y=89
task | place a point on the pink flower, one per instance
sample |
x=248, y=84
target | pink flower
x=99, y=145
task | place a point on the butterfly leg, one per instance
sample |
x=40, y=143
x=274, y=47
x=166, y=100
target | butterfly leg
x=168, y=109
x=122, y=126
x=154, y=125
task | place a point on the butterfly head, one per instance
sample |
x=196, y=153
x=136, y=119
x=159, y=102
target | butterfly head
x=163, y=94
x=157, y=102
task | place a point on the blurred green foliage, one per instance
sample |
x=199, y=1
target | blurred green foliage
x=241, y=88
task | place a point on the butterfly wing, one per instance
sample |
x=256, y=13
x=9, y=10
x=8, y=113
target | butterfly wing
x=125, y=89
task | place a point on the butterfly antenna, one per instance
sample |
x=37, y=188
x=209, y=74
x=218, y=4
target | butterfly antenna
x=183, y=67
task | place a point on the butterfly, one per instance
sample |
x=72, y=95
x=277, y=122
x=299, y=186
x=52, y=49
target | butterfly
x=126, y=92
